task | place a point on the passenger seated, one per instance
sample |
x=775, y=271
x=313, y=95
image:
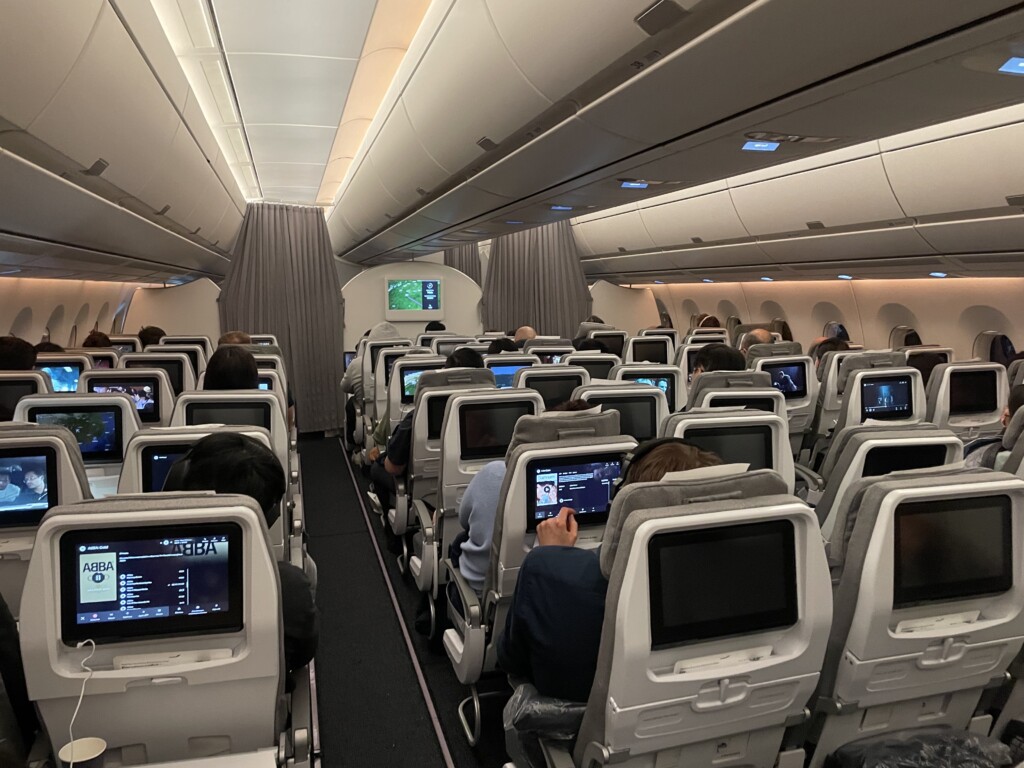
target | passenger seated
x=926, y=362
x=826, y=345
x=523, y=335
x=241, y=337
x=553, y=629
x=151, y=335
x=434, y=326
x=391, y=463
x=352, y=382
x=589, y=345
x=990, y=452
x=665, y=320
x=48, y=346
x=717, y=357
x=16, y=354
x=15, y=738
x=96, y=339
x=756, y=336
x=235, y=337
x=708, y=321
x=231, y=367
x=503, y=344
x=471, y=549
x=229, y=462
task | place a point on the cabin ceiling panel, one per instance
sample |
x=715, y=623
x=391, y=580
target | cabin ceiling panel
x=290, y=90
x=290, y=143
x=32, y=71
x=326, y=28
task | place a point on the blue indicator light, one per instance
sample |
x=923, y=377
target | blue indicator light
x=561, y=207
x=761, y=146
x=1013, y=66
x=659, y=282
x=845, y=277
x=708, y=280
x=513, y=222
x=635, y=185
x=768, y=279
x=937, y=274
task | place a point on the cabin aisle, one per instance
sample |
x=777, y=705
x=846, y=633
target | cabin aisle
x=371, y=709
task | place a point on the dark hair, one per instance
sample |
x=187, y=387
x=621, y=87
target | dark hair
x=708, y=321
x=591, y=345
x=594, y=319
x=512, y=332
x=96, y=339
x=572, y=405
x=48, y=346
x=665, y=320
x=435, y=325
x=831, y=344
x=16, y=354
x=719, y=357
x=151, y=335
x=231, y=367
x=228, y=462
x=501, y=345
x=464, y=357
x=1016, y=400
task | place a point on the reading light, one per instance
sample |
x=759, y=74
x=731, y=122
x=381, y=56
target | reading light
x=937, y=274
x=768, y=279
x=845, y=277
x=634, y=184
x=513, y=222
x=659, y=282
x=1013, y=66
x=760, y=146
x=707, y=280
x=561, y=207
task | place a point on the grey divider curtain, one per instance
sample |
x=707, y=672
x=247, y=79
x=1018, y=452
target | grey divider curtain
x=282, y=281
x=465, y=258
x=535, y=278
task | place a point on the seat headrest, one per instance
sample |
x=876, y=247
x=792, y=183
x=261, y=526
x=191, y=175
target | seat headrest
x=700, y=485
x=586, y=328
x=778, y=349
x=1013, y=430
x=553, y=426
x=446, y=377
x=866, y=361
x=531, y=343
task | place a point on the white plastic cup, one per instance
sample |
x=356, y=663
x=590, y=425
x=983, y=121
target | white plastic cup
x=87, y=752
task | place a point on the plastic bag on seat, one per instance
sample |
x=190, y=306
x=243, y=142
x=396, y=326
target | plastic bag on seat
x=941, y=748
x=530, y=717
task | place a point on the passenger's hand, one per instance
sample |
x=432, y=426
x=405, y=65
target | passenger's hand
x=560, y=531
x=374, y=453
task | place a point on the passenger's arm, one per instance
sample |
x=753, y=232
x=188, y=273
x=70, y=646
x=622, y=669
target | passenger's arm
x=348, y=380
x=392, y=468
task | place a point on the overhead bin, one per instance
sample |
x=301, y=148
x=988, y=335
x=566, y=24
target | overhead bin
x=705, y=213
x=961, y=173
x=726, y=254
x=984, y=234
x=836, y=246
x=839, y=192
x=402, y=162
x=620, y=232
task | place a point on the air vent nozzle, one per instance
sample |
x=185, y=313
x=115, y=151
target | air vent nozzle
x=660, y=16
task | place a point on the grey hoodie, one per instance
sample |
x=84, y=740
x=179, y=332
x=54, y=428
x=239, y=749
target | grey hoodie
x=353, y=382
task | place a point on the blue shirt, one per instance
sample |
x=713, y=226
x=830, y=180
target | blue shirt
x=553, y=630
x=476, y=515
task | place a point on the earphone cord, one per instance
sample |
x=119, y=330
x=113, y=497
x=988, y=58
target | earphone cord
x=81, y=696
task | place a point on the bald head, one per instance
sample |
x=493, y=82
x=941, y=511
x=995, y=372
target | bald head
x=525, y=333
x=756, y=336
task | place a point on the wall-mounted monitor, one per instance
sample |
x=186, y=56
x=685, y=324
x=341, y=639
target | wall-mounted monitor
x=97, y=428
x=418, y=299
x=28, y=485
x=154, y=581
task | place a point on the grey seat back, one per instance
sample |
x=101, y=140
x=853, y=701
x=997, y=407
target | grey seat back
x=968, y=398
x=778, y=349
x=719, y=380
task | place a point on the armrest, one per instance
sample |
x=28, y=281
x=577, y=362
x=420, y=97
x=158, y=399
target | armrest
x=472, y=609
x=426, y=520
x=814, y=481
x=556, y=754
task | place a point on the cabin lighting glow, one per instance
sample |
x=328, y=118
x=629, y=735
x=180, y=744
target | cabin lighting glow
x=659, y=282
x=561, y=207
x=1013, y=66
x=760, y=146
x=513, y=222
x=845, y=277
x=634, y=184
x=768, y=279
x=937, y=274
x=707, y=280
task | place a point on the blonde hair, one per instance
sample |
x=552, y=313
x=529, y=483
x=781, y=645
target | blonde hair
x=670, y=457
x=235, y=337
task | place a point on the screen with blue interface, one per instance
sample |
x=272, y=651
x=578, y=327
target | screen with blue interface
x=504, y=375
x=63, y=377
x=789, y=378
x=28, y=485
x=143, y=392
x=664, y=383
x=886, y=399
x=150, y=581
x=97, y=428
x=415, y=295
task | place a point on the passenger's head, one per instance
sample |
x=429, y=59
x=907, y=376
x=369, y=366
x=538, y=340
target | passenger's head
x=48, y=346
x=571, y=406
x=831, y=344
x=594, y=319
x=756, y=336
x=16, y=354
x=227, y=462
x=231, y=367
x=717, y=357
x=665, y=320
x=464, y=357
x=1014, y=404
x=235, y=337
x=34, y=479
x=5, y=477
x=501, y=345
x=708, y=321
x=96, y=339
x=435, y=325
x=672, y=456
x=926, y=362
x=382, y=331
x=525, y=333
x=591, y=345
x=151, y=335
